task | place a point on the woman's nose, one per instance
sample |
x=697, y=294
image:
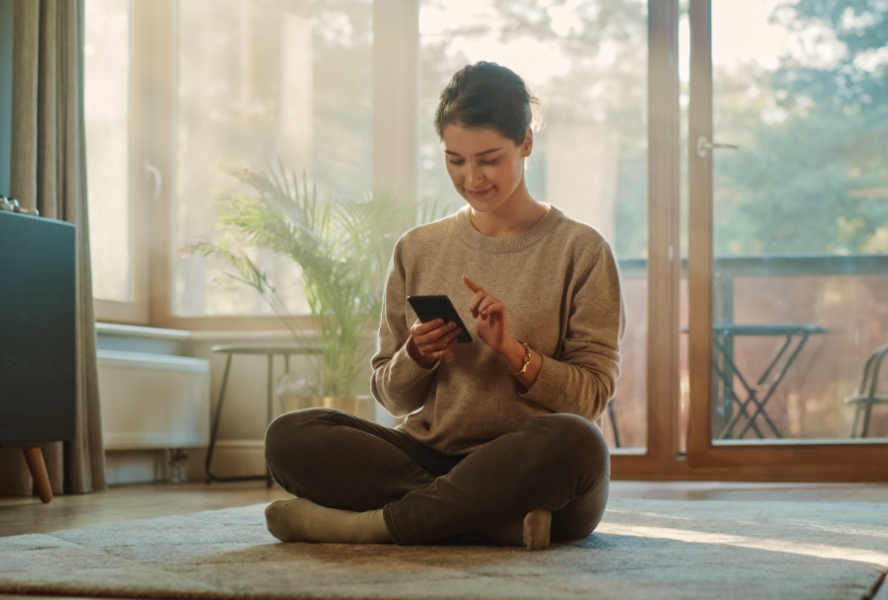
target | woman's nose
x=474, y=176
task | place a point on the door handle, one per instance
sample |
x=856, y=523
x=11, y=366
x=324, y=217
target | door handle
x=704, y=146
x=154, y=173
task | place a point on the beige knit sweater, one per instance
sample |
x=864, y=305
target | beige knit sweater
x=561, y=287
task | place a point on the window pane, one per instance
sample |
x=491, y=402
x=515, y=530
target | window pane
x=800, y=219
x=588, y=62
x=106, y=107
x=259, y=81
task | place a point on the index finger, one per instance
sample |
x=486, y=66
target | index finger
x=421, y=328
x=471, y=284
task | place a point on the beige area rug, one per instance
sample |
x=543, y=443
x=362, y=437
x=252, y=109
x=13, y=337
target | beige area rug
x=643, y=549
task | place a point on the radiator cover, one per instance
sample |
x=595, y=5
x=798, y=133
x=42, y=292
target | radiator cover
x=152, y=401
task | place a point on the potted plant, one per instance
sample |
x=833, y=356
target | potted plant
x=343, y=247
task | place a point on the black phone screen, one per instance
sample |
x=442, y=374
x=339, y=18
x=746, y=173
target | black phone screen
x=429, y=308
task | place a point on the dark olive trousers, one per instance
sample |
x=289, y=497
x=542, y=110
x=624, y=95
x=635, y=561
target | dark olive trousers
x=556, y=462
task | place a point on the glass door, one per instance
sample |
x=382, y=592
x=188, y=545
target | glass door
x=589, y=65
x=788, y=239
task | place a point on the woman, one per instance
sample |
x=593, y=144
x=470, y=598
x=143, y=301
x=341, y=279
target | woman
x=499, y=440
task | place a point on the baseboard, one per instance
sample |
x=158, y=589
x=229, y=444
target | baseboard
x=124, y=467
x=231, y=458
x=238, y=458
x=127, y=467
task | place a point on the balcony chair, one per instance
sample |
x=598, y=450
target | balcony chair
x=868, y=394
x=613, y=420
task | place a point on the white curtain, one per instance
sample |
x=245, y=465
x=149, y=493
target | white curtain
x=48, y=171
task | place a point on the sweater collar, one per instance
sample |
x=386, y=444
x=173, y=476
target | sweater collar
x=477, y=240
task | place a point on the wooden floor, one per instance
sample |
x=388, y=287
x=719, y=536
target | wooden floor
x=124, y=503
x=27, y=515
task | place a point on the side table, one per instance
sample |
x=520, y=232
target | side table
x=270, y=352
x=726, y=370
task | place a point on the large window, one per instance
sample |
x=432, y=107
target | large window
x=258, y=82
x=788, y=266
x=785, y=231
x=799, y=219
x=588, y=63
x=108, y=117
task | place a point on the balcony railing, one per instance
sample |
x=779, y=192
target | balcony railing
x=847, y=295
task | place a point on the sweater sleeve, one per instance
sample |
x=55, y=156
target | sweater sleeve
x=398, y=382
x=582, y=378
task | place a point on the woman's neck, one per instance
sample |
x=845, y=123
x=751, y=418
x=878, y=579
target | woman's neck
x=514, y=217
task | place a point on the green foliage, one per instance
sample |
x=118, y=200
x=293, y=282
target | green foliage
x=813, y=138
x=861, y=26
x=788, y=193
x=342, y=246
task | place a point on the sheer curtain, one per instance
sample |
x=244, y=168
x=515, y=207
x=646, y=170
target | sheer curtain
x=48, y=171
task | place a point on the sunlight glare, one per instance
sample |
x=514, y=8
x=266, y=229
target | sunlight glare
x=534, y=60
x=772, y=545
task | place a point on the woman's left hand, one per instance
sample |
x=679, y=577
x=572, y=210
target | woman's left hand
x=491, y=320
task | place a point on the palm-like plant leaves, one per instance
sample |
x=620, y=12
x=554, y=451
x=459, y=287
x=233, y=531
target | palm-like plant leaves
x=342, y=246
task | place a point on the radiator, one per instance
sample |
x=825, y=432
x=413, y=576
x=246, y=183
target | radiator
x=153, y=401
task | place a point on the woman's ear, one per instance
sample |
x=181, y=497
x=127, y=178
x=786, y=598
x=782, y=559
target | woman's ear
x=527, y=144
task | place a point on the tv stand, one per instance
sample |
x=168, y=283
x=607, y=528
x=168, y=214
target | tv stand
x=38, y=383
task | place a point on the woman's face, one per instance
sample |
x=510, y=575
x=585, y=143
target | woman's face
x=485, y=167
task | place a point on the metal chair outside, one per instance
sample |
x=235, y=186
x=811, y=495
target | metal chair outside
x=868, y=394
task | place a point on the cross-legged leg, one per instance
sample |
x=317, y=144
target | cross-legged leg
x=343, y=470
x=556, y=463
x=340, y=461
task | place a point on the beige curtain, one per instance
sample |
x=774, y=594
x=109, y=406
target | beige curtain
x=48, y=171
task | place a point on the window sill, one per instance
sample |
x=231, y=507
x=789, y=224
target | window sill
x=142, y=332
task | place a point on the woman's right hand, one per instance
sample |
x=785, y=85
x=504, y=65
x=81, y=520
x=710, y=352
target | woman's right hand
x=432, y=341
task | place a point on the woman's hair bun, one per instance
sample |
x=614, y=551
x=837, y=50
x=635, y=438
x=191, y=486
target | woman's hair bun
x=488, y=95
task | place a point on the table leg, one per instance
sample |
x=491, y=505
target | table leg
x=760, y=407
x=727, y=375
x=727, y=350
x=216, y=419
x=269, y=411
x=37, y=466
x=728, y=428
x=613, y=420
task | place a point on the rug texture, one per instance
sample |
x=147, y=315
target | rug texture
x=643, y=549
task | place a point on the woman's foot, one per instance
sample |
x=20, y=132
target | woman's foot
x=537, y=529
x=533, y=533
x=301, y=520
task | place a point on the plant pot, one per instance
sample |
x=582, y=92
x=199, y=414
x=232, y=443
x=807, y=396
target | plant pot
x=360, y=406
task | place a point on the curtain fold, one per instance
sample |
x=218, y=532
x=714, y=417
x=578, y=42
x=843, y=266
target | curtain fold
x=48, y=171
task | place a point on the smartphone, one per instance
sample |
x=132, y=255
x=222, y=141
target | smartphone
x=429, y=308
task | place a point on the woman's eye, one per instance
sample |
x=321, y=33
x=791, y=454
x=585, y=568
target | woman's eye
x=456, y=162
x=487, y=162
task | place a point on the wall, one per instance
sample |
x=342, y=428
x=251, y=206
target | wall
x=6, y=32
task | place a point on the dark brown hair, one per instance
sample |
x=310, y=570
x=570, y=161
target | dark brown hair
x=488, y=95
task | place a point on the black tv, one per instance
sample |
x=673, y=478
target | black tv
x=37, y=336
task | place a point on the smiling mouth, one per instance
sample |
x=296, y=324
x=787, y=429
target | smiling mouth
x=479, y=193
